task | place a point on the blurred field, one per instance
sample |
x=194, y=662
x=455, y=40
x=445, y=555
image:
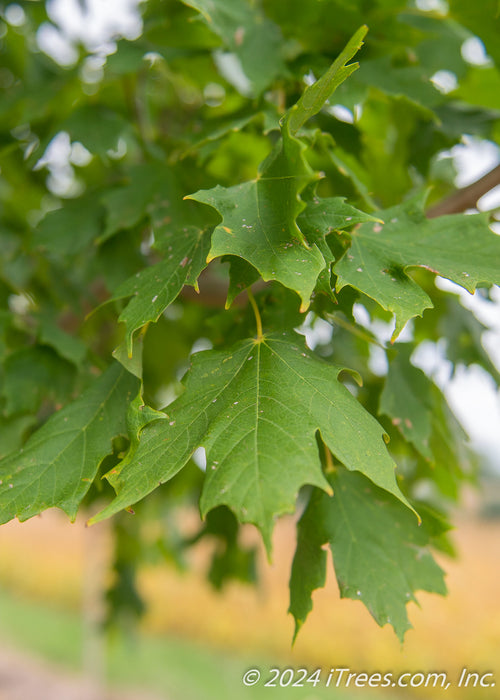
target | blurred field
x=46, y=559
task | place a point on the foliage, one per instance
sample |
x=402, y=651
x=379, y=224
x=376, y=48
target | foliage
x=235, y=146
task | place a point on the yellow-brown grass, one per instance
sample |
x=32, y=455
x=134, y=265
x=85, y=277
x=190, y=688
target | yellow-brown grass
x=46, y=558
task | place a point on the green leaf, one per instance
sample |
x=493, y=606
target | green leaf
x=463, y=333
x=72, y=228
x=411, y=82
x=156, y=287
x=97, y=128
x=67, y=346
x=215, y=133
x=241, y=277
x=406, y=400
x=127, y=205
x=258, y=221
x=33, y=375
x=256, y=409
x=323, y=217
x=419, y=411
x=255, y=40
x=481, y=87
x=379, y=552
x=13, y=431
x=60, y=460
x=453, y=461
x=459, y=247
x=259, y=218
x=315, y=95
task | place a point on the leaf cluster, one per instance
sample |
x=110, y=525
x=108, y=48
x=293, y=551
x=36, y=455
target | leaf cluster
x=176, y=215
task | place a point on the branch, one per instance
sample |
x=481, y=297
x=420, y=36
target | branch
x=467, y=197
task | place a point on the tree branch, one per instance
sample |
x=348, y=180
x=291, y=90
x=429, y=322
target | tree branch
x=467, y=197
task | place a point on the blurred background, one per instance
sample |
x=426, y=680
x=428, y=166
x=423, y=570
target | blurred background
x=192, y=641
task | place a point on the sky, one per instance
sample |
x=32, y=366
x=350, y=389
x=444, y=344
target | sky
x=471, y=392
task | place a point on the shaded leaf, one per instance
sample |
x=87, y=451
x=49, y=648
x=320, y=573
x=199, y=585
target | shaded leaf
x=254, y=39
x=60, y=460
x=13, y=431
x=96, y=127
x=406, y=399
x=379, y=552
x=33, y=375
x=483, y=19
x=156, y=287
x=67, y=346
x=241, y=276
x=72, y=228
x=127, y=205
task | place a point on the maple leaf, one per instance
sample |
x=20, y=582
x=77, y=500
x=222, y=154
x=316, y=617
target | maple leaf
x=419, y=411
x=320, y=220
x=259, y=217
x=379, y=551
x=60, y=460
x=256, y=409
x=461, y=248
x=155, y=288
x=259, y=221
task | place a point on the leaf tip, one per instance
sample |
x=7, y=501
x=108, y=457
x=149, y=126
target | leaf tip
x=298, y=625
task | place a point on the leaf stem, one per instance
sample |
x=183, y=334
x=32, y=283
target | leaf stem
x=335, y=318
x=258, y=320
x=329, y=466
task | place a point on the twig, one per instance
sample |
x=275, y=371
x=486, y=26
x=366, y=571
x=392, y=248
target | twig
x=467, y=197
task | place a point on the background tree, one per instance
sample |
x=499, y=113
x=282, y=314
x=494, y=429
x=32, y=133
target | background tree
x=145, y=193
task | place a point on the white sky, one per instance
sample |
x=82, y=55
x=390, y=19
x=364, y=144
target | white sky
x=96, y=27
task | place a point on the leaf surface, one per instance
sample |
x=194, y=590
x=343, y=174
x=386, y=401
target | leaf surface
x=146, y=185
x=156, y=287
x=33, y=375
x=315, y=95
x=256, y=410
x=258, y=222
x=379, y=552
x=460, y=248
x=419, y=411
x=60, y=460
x=72, y=228
x=406, y=399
